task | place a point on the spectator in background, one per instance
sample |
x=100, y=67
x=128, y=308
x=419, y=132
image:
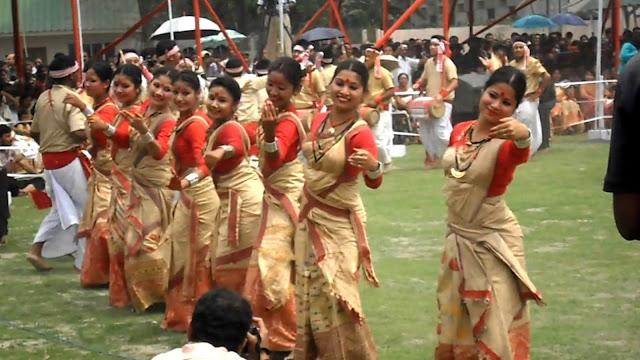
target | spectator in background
x=629, y=50
x=220, y=330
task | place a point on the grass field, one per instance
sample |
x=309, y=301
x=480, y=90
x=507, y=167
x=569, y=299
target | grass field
x=585, y=271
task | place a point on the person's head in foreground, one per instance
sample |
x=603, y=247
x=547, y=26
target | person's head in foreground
x=219, y=327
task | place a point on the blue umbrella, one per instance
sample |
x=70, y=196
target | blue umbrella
x=533, y=22
x=568, y=19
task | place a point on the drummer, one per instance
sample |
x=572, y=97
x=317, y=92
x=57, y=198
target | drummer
x=311, y=96
x=381, y=90
x=440, y=78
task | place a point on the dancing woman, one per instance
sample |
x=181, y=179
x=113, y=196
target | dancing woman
x=126, y=88
x=483, y=285
x=94, y=225
x=238, y=185
x=192, y=232
x=147, y=253
x=331, y=243
x=269, y=285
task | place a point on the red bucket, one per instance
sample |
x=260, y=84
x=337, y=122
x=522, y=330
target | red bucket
x=41, y=200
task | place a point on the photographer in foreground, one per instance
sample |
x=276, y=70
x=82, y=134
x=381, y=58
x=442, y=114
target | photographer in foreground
x=221, y=329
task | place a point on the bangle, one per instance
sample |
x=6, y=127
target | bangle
x=192, y=178
x=110, y=130
x=373, y=175
x=147, y=137
x=271, y=147
x=228, y=151
x=88, y=111
x=378, y=99
x=444, y=93
x=523, y=143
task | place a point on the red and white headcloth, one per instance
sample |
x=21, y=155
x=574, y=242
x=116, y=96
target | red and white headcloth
x=303, y=58
x=527, y=51
x=174, y=50
x=377, y=67
x=59, y=74
x=440, y=57
x=124, y=57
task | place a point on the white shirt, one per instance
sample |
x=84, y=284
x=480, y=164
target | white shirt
x=407, y=66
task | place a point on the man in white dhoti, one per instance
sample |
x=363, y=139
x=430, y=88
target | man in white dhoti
x=440, y=77
x=381, y=91
x=59, y=129
x=537, y=81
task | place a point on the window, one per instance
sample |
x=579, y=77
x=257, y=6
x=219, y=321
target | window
x=503, y=2
x=92, y=49
x=480, y=4
x=461, y=6
x=491, y=13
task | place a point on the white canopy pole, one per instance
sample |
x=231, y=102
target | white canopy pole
x=599, y=86
x=281, y=8
x=170, y=18
x=80, y=31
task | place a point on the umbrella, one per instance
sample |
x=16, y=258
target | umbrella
x=219, y=39
x=568, y=19
x=319, y=34
x=184, y=28
x=389, y=62
x=533, y=22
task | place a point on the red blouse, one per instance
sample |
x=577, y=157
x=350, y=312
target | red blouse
x=106, y=111
x=288, y=141
x=120, y=138
x=362, y=139
x=189, y=144
x=230, y=135
x=509, y=157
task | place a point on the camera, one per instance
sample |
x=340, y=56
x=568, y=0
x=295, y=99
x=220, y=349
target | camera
x=253, y=330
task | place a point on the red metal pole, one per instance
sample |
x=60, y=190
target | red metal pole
x=497, y=21
x=311, y=21
x=232, y=44
x=131, y=30
x=471, y=17
x=407, y=14
x=76, y=36
x=385, y=15
x=445, y=23
x=336, y=13
x=17, y=39
x=196, y=15
x=615, y=32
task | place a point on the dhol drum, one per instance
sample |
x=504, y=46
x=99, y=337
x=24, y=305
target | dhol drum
x=426, y=108
x=370, y=115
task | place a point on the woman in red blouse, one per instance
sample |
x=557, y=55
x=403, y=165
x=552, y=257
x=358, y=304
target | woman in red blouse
x=191, y=232
x=331, y=242
x=238, y=184
x=147, y=253
x=269, y=286
x=94, y=226
x=483, y=285
x=126, y=88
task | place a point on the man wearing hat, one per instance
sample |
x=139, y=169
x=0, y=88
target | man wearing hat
x=440, y=77
x=328, y=70
x=248, y=111
x=59, y=129
x=537, y=81
x=381, y=90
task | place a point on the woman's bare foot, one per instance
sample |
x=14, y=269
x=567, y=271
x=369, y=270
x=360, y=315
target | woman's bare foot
x=38, y=263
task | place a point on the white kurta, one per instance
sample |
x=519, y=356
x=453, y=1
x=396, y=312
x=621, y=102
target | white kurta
x=67, y=188
x=435, y=133
x=527, y=113
x=383, y=132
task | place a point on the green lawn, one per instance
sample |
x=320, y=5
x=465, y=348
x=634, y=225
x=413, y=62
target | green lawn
x=585, y=271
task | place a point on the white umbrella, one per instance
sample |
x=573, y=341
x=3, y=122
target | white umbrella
x=389, y=62
x=184, y=28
